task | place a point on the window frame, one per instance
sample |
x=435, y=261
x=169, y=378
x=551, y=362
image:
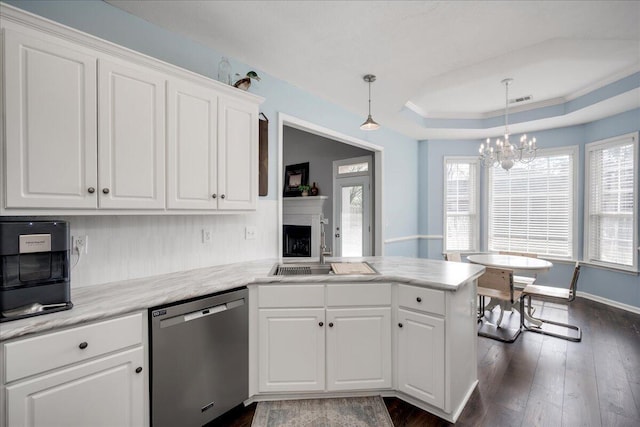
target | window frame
x=574, y=152
x=476, y=238
x=589, y=149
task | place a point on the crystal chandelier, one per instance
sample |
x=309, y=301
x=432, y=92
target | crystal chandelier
x=502, y=152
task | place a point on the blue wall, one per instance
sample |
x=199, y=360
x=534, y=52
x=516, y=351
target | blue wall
x=400, y=166
x=617, y=286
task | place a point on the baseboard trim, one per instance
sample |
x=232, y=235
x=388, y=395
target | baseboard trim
x=609, y=302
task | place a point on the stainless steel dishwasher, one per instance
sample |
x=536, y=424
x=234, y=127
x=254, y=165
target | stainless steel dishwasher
x=199, y=358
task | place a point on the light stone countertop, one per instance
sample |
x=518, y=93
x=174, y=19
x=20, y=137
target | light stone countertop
x=117, y=298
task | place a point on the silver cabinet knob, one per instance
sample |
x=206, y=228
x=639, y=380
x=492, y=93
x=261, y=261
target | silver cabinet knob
x=105, y=190
x=91, y=190
x=222, y=196
x=214, y=195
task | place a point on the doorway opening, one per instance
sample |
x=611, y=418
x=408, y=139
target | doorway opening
x=301, y=142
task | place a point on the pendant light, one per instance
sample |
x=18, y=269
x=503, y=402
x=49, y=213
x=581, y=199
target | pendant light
x=369, y=124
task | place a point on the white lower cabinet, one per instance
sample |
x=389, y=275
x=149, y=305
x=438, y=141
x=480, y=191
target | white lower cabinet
x=358, y=348
x=292, y=350
x=103, y=392
x=91, y=375
x=421, y=356
x=324, y=347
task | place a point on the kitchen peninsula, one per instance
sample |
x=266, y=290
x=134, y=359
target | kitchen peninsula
x=419, y=314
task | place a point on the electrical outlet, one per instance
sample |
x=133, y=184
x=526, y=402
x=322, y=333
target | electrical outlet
x=206, y=235
x=249, y=233
x=80, y=243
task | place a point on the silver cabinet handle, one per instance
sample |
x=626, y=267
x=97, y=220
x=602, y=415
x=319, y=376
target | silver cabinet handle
x=105, y=190
x=214, y=195
x=222, y=196
x=91, y=190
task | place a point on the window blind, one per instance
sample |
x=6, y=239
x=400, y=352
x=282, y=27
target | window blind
x=611, y=200
x=461, y=219
x=531, y=207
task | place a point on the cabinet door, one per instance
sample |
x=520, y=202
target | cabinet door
x=421, y=356
x=192, y=143
x=291, y=349
x=104, y=392
x=50, y=110
x=237, y=154
x=358, y=348
x=131, y=136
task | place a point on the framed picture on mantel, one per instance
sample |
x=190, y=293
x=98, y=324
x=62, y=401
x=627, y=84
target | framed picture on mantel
x=295, y=176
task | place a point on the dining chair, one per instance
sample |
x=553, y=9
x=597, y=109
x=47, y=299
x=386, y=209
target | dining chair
x=452, y=256
x=552, y=294
x=497, y=284
x=521, y=281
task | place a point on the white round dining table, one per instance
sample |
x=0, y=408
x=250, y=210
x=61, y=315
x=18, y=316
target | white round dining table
x=512, y=262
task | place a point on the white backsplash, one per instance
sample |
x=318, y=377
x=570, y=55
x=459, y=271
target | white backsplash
x=126, y=247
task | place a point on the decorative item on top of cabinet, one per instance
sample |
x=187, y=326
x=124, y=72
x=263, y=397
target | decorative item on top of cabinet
x=224, y=71
x=263, y=156
x=314, y=190
x=245, y=83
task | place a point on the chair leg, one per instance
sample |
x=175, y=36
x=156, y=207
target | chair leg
x=577, y=337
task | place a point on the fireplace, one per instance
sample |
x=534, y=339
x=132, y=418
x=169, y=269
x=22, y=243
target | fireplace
x=301, y=226
x=296, y=241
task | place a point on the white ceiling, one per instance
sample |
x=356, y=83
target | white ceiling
x=440, y=59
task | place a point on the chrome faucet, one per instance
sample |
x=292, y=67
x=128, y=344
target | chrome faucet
x=323, y=245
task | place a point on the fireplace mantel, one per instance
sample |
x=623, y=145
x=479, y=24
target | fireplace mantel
x=310, y=205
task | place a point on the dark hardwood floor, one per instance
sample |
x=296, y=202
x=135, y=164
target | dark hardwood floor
x=543, y=381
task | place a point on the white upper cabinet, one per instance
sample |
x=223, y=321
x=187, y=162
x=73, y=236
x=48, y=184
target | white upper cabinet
x=237, y=154
x=50, y=110
x=192, y=144
x=131, y=136
x=94, y=128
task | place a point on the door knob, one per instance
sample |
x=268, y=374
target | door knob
x=419, y=299
x=83, y=345
x=138, y=369
x=222, y=197
x=321, y=324
x=331, y=324
x=337, y=234
x=105, y=190
x=214, y=195
x=91, y=190
x=400, y=325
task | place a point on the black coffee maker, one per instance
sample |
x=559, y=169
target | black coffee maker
x=34, y=268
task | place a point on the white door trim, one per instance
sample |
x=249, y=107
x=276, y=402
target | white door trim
x=355, y=178
x=294, y=122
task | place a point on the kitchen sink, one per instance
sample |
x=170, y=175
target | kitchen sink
x=310, y=269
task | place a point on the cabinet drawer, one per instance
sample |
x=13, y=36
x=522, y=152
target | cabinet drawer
x=295, y=295
x=422, y=299
x=31, y=356
x=349, y=294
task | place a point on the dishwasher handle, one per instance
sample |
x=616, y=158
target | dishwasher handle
x=188, y=317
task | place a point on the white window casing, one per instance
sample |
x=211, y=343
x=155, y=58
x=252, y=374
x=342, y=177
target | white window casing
x=611, y=203
x=461, y=204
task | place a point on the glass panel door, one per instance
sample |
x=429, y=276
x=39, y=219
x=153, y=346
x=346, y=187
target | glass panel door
x=352, y=228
